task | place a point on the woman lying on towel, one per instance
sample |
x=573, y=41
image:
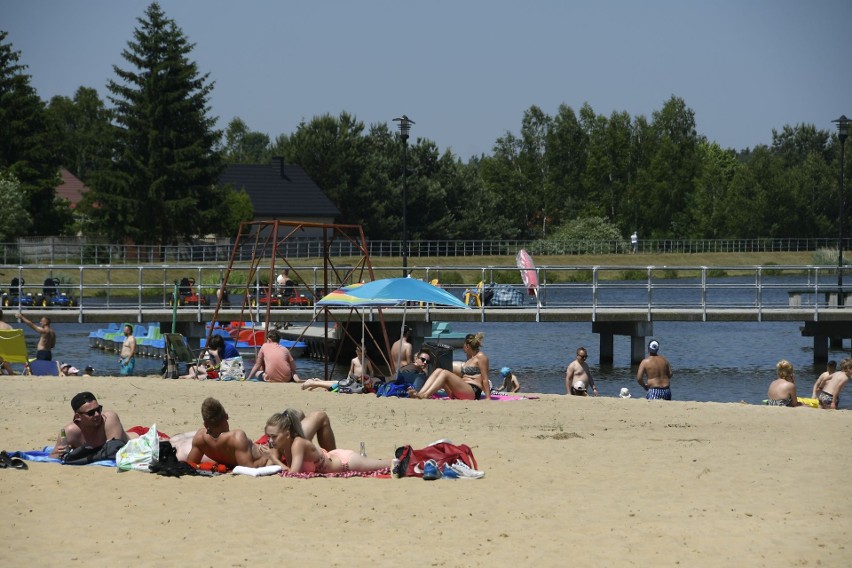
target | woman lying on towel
x=473, y=380
x=288, y=445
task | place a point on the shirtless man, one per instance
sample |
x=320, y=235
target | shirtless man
x=829, y=389
x=658, y=372
x=217, y=442
x=3, y=324
x=831, y=368
x=47, y=337
x=401, y=349
x=578, y=376
x=91, y=426
x=274, y=363
x=127, y=359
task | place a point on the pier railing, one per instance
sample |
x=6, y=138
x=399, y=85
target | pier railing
x=651, y=288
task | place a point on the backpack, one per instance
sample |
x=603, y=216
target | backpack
x=392, y=389
x=411, y=461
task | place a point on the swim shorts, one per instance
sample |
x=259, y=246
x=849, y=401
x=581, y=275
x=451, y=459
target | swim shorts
x=825, y=399
x=655, y=393
x=127, y=368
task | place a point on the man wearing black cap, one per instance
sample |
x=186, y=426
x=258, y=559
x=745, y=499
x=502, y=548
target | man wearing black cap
x=658, y=372
x=92, y=426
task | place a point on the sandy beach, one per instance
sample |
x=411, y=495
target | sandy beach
x=569, y=481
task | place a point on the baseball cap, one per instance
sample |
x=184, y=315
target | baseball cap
x=580, y=386
x=654, y=346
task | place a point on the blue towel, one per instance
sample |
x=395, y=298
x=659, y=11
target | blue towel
x=44, y=456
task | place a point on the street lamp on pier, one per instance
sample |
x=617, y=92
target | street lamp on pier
x=404, y=128
x=842, y=132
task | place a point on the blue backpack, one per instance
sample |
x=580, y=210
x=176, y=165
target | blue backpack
x=392, y=389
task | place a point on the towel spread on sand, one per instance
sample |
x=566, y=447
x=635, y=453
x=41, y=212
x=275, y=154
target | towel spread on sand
x=44, y=456
x=257, y=471
x=382, y=474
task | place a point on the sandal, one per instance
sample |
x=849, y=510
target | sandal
x=7, y=461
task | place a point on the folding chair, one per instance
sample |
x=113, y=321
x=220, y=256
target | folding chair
x=177, y=351
x=473, y=296
x=43, y=368
x=13, y=347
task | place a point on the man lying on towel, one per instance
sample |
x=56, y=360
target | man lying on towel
x=218, y=443
x=91, y=427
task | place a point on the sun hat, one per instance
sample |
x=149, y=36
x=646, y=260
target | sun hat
x=654, y=346
x=624, y=393
x=505, y=372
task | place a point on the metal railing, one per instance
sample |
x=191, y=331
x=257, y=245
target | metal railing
x=70, y=250
x=652, y=288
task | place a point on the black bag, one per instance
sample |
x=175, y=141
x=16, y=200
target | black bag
x=168, y=464
x=87, y=454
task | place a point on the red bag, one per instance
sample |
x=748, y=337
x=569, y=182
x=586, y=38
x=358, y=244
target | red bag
x=411, y=461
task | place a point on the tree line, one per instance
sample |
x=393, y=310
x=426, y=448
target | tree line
x=151, y=156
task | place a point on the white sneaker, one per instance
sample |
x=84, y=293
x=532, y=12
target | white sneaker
x=466, y=472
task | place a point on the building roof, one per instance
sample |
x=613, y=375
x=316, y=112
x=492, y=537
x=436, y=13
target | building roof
x=279, y=191
x=71, y=188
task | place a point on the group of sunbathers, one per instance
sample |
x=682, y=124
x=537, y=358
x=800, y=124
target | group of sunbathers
x=287, y=440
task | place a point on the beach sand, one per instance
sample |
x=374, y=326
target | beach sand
x=569, y=481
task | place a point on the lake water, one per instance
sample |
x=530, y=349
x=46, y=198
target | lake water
x=712, y=361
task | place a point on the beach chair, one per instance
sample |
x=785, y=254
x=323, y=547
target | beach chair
x=13, y=347
x=42, y=368
x=473, y=296
x=177, y=351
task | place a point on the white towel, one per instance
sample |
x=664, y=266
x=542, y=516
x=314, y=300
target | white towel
x=257, y=471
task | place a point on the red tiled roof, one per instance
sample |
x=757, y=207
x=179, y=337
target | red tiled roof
x=71, y=188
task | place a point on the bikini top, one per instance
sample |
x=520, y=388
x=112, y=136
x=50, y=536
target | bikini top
x=472, y=370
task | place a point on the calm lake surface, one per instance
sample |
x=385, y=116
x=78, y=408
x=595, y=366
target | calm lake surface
x=715, y=361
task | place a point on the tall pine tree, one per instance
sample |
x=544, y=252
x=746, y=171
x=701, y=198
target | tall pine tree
x=159, y=187
x=26, y=149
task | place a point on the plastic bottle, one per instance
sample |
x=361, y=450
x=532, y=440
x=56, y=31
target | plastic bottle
x=363, y=450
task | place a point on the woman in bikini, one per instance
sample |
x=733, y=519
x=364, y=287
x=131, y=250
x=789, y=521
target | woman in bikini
x=782, y=391
x=474, y=375
x=288, y=445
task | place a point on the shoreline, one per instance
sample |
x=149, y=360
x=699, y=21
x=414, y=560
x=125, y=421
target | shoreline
x=614, y=481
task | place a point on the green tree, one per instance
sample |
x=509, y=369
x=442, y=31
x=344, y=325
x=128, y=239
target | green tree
x=244, y=146
x=26, y=149
x=15, y=219
x=567, y=149
x=82, y=130
x=159, y=185
x=706, y=203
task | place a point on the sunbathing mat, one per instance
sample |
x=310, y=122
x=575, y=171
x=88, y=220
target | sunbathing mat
x=380, y=474
x=44, y=456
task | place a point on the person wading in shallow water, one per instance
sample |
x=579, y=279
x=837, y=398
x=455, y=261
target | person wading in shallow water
x=658, y=372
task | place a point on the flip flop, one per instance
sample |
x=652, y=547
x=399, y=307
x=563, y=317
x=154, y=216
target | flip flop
x=5, y=460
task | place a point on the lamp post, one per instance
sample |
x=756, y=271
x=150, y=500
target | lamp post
x=404, y=128
x=842, y=132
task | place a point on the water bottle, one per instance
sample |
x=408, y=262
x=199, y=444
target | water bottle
x=63, y=440
x=363, y=450
x=395, y=471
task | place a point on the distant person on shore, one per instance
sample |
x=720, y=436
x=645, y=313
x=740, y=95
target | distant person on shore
x=274, y=362
x=401, y=349
x=782, y=391
x=634, y=243
x=578, y=376
x=658, y=372
x=472, y=383
x=829, y=389
x=830, y=369
x=127, y=357
x=47, y=337
x=510, y=381
x=3, y=324
x=91, y=426
x=356, y=370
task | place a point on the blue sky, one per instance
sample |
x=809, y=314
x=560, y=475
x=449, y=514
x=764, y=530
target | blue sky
x=465, y=71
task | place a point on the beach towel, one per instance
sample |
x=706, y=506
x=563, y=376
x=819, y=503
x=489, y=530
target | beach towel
x=44, y=456
x=381, y=474
x=257, y=471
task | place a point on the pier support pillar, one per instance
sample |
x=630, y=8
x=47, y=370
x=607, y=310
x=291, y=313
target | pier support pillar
x=636, y=330
x=825, y=334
